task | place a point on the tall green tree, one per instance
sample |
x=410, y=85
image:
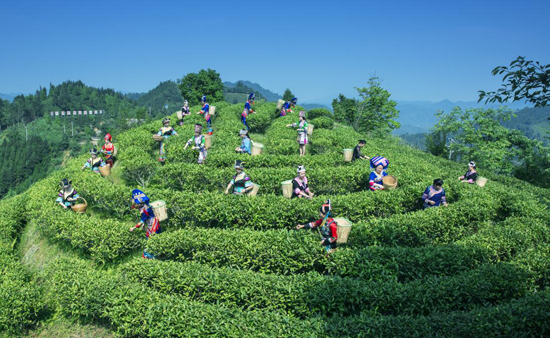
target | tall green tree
x=206, y=82
x=344, y=109
x=287, y=96
x=523, y=80
x=374, y=111
x=478, y=135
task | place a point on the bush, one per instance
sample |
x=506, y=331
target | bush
x=322, y=123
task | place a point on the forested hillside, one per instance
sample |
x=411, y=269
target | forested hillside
x=230, y=265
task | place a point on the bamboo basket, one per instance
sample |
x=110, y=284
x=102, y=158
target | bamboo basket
x=257, y=149
x=348, y=155
x=280, y=104
x=287, y=188
x=105, y=170
x=212, y=110
x=310, y=129
x=158, y=138
x=207, y=141
x=95, y=140
x=80, y=208
x=389, y=182
x=159, y=208
x=481, y=181
x=343, y=229
x=254, y=190
x=115, y=151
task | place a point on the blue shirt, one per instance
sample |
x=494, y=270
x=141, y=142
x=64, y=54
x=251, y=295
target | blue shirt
x=247, y=105
x=245, y=145
x=206, y=108
x=438, y=196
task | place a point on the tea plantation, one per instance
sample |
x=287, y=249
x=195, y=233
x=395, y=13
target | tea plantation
x=232, y=266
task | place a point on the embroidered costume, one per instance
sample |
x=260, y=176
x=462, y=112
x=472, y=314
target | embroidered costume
x=247, y=110
x=287, y=106
x=431, y=194
x=329, y=227
x=206, y=112
x=245, y=143
x=108, y=150
x=68, y=192
x=147, y=217
x=94, y=162
x=300, y=185
x=375, y=178
x=198, y=141
x=166, y=131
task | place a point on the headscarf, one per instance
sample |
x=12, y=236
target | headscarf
x=139, y=197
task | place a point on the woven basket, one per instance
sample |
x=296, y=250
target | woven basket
x=254, y=190
x=105, y=170
x=159, y=208
x=158, y=138
x=280, y=104
x=257, y=149
x=212, y=110
x=389, y=182
x=287, y=188
x=207, y=141
x=80, y=208
x=310, y=129
x=348, y=155
x=481, y=181
x=95, y=140
x=343, y=229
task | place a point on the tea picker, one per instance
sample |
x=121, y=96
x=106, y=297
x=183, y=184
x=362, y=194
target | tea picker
x=198, y=143
x=184, y=112
x=327, y=225
x=357, y=151
x=108, y=150
x=147, y=217
x=471, y=175
x=67, y=195
x=379, y=165
x=434, y=195
x=287, y=107
x=302, y=138
x=300, y=188
x=94, y=162
x=244, y=148
x=166, y=131
x=247, y=110
x=206, y=112
x=240, y=183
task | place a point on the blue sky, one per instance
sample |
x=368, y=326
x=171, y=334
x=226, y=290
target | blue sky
x=429, y=50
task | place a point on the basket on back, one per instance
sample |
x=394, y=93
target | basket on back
x=212, y=110
x=310, y=129
x=389, y=182
x=343, y=229
x=348, y=155
x=287, y=188
x=256, y=149
x=159, y=208
x=280, y=104
x=207, y=141
x=481, y=181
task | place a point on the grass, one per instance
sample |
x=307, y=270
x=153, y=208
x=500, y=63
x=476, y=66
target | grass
x=64, y=328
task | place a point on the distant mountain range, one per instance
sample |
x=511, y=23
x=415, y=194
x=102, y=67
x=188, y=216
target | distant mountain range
x=419, y=116
x=9, y=96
